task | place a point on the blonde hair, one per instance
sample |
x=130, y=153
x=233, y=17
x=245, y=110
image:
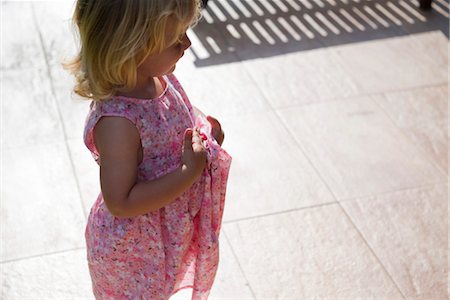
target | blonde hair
x=117, y=35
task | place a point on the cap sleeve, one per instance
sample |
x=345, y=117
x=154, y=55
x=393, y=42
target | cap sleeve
x=108, y=108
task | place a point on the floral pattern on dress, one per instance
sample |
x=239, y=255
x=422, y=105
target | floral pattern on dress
x=154, y=255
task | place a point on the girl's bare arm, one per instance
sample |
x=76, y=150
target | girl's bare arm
x=118, y=143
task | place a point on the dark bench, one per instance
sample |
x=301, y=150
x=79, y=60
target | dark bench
x=425, y=4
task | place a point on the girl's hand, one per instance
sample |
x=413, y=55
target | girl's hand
x=194, y=153
x=217, y=131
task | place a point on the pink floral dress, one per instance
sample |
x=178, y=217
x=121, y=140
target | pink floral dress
x=154, y=255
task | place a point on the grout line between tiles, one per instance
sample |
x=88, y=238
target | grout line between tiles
x=415, y=188
x=43, y=144
x=53, y=94
x=1, y=143
x=280, y=212
x=40, y=255
x=239, y=264
x=373, y=252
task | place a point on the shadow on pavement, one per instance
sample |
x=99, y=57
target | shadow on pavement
x=236, y=30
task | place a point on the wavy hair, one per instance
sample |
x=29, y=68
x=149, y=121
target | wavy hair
x=117, y=35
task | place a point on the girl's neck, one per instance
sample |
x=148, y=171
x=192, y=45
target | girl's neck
x=146, y=88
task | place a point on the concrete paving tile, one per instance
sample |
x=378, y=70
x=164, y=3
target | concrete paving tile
x=86, y=171
x=357, y=149
x=435, y=44
x=407, y=231
x=229, y=283
x=422, y=114
x=25, y=63
x=305, y=254
x=220, y=90
x=29, y=112
x=395, y=63
x=24, y=52
x=57, y=276
x=41, y=208
x=54, y=21
x=74, y=110
x=269, y=173
x=301, y=78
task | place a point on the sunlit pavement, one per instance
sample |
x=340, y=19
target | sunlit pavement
x=335, y=113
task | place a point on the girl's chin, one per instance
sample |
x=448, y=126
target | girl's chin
x=172, y=69
x=169, y=71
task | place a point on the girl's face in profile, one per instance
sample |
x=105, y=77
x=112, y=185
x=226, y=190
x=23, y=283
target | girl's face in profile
x=164, y=62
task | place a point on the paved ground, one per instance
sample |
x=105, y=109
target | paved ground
x=335, y=114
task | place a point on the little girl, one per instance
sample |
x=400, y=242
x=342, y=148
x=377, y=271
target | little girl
x=154, y=227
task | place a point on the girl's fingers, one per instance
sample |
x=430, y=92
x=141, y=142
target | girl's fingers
x=197, y=142
x=216, y=127
x=188, y=134
x=214, y=122
x=196, y=138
